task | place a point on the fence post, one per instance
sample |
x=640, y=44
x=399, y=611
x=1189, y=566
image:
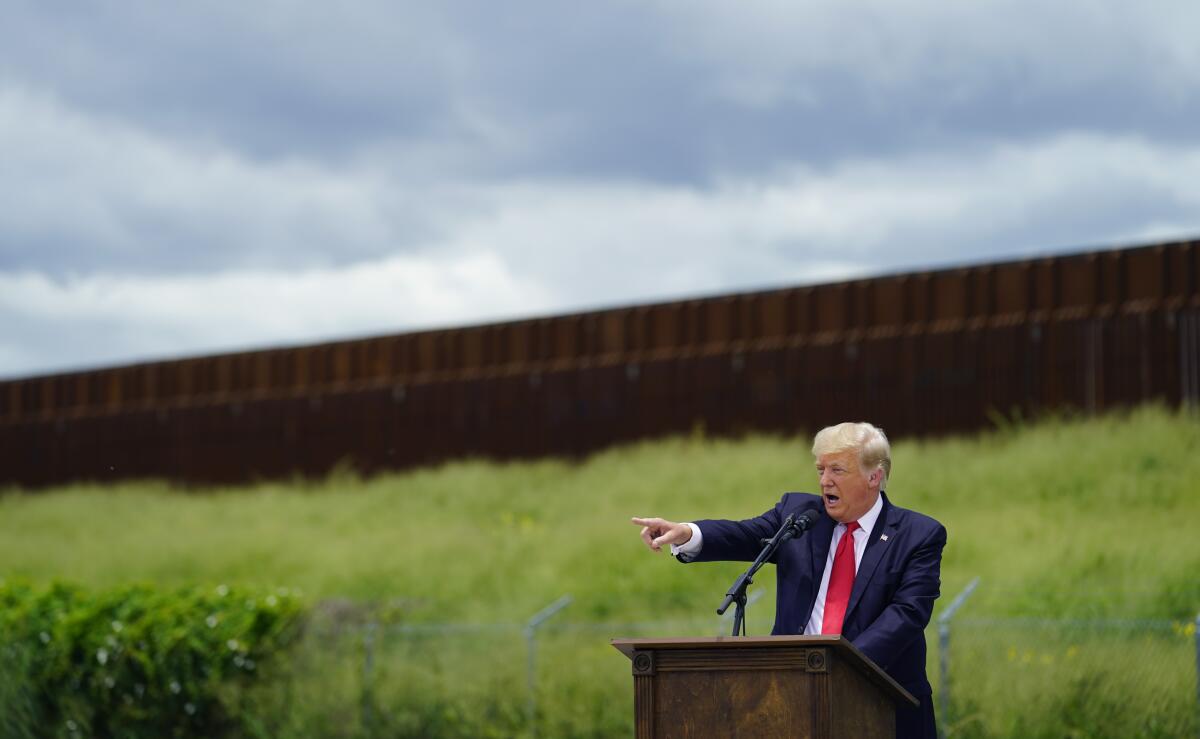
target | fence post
x=368, y=698
x=944, y=654
x=1197, y=634
x=531, y=652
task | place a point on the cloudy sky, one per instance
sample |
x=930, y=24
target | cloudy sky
x=185, y=178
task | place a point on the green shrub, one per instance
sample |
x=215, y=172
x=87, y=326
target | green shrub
x=135, y=661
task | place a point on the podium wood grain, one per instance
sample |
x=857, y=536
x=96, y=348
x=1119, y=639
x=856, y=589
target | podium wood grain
x=807, y=687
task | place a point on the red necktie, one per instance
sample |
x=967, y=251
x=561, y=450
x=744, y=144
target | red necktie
x=841, y=582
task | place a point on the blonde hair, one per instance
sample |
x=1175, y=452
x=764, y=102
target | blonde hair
x=874, y=452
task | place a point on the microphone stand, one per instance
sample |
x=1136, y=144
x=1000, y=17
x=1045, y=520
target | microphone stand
x=790, y=529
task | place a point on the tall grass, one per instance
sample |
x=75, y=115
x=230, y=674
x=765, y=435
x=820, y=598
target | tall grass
x=1087, y=518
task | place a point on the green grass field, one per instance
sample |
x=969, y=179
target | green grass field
x=1083, y=519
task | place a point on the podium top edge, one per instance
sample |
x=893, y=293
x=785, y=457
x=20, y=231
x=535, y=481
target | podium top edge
x=837, y=642
x=626, y=646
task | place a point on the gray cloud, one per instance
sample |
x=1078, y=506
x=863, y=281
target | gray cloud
x=547, y=156
x=666, y=91
x=538, y=247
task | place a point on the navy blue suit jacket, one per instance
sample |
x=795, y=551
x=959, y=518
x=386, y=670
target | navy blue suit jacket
x=897, y=581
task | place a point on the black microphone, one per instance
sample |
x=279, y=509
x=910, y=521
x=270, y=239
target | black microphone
x=796, y=525
x=805, y=520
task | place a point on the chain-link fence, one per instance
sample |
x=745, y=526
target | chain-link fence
x=1065, y=677
x=353, y=676
x=555, y=677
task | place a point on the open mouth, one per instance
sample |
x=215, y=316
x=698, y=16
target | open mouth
x=831, y=499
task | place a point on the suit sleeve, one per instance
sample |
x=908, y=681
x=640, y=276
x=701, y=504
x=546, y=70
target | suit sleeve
x=906, y=616
x=737, y=540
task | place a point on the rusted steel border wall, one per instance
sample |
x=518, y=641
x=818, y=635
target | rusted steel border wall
x=919, y=353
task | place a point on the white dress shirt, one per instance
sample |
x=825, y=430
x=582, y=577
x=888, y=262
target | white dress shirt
x=861, y=536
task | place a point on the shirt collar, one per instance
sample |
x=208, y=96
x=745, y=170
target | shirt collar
x=868, y=519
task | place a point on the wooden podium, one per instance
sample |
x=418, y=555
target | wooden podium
x=807, y=687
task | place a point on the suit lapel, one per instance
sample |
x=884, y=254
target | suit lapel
x=819, y=539
x=876, y=548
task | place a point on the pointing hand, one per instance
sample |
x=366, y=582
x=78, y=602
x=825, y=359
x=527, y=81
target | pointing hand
x=658, y=533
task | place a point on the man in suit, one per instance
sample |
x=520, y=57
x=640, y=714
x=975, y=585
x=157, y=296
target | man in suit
x=876, y=586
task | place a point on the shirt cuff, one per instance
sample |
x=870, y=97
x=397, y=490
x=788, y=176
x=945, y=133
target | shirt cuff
x=688, y=550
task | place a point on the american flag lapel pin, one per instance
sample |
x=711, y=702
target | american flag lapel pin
x=883, y=537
